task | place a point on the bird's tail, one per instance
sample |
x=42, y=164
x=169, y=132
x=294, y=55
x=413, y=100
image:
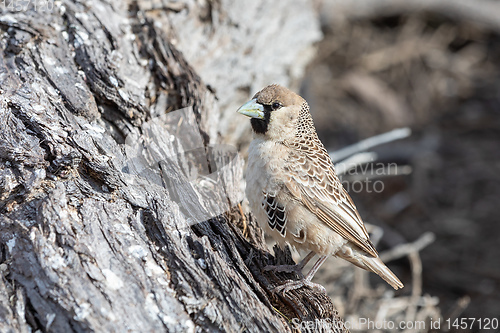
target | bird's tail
x=372, y=264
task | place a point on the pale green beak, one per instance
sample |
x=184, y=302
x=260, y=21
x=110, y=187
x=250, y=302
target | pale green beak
x=252, y=109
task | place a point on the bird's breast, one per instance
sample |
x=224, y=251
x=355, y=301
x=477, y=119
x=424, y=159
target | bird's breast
x=264, y=170
x=263, y=175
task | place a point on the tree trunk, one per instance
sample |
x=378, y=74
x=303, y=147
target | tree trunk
x=119, y=203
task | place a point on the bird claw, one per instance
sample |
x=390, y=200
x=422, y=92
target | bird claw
x=296, y=284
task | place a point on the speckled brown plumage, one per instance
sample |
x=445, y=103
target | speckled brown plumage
x=314, y=181
x=293, y=189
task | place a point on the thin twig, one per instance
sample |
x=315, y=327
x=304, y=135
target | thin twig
x=459, y=307
x=364, y=145
x=405, y=249
x=354, y=161
x=416, y=292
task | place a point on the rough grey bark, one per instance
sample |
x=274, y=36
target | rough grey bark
x=118, y=205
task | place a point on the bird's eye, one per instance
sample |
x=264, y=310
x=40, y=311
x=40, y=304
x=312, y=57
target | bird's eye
x=276, y=105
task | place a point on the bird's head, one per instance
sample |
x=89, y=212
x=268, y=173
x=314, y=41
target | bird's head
x=275, y=112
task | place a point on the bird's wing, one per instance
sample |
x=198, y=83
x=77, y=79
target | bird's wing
x=313, y=181
x=276, y=214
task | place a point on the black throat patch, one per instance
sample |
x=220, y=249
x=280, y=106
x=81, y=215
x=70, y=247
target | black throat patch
x=261, y=126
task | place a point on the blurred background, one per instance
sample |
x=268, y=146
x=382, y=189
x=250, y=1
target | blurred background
x=433, y=67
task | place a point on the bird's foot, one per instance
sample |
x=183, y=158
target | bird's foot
x=296, y=284
x=286, y=268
